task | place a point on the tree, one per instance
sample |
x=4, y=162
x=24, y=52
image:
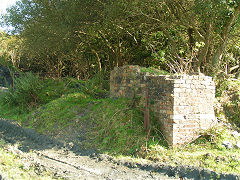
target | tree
x=80, y=38
x=195, y=32
x=10, y=50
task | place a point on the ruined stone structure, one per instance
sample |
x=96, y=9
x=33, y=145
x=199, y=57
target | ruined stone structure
x=183, y=104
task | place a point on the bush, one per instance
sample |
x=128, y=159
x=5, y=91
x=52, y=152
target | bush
x=96, y=87
x=29, y=91
x=25, y=92
x=228, y=95
x=52, y=89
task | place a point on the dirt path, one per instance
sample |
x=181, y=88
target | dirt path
x=67, y=160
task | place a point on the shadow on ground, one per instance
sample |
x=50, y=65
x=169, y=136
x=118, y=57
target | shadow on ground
x=29, y=139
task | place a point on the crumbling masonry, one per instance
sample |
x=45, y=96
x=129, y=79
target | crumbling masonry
x=183, y=104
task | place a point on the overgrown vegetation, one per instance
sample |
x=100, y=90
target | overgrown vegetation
x=115, y=126
x=119, y=127
x=221, y=161
x=117, y=123
x=228, y=96
x=153, y=71
x=179, y=36
x=54, y=38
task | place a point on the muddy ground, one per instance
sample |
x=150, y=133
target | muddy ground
x=67, y=160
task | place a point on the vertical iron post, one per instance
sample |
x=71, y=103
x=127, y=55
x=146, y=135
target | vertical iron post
x=146, y=114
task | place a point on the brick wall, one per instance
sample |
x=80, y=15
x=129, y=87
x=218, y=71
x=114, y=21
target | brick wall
x=183, y=104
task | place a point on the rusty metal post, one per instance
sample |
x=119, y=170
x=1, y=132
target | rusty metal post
x=146, y=114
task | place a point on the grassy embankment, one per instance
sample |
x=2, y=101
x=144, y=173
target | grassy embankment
x=117, y=124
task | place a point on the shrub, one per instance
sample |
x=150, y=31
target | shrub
x=30, y=91
x=228, y=94
x=96, y=87
x=25, y=92
x=52, y=89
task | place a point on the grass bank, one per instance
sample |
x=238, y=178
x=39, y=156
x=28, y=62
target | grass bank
x=114, y=126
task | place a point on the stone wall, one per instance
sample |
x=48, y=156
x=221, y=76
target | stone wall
x=183, y=104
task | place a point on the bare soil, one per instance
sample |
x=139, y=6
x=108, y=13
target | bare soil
x=65, y=159
x=65, y=156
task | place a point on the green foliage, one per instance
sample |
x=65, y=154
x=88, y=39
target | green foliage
x=119, y=128
x=80, y=44
x=154, y=71
x=116, y=125
x=59, y=113
x=29, y=91
x=206, y=152
x=51, y=90
x=228, y=95
x=214, y=137
x=96, y=87
x=56, y=37
x=11, y=50
x=25, y=92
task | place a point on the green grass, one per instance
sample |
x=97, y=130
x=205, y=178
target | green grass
x=117, y=127
x=58, y=113
x=219, y=160
x=14, y=113
x=154, y=71
x=206, y=152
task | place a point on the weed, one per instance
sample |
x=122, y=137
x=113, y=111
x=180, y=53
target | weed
x=25, y=92
x=153, y=71
x=29, y=91
x=206, y=152
x=95, y=87
x=119, y=129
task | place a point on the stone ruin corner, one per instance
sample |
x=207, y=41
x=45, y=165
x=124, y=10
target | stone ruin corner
x=182, y=104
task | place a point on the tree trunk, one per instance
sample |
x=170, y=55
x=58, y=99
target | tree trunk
x=202, y=59
x=216, y=60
